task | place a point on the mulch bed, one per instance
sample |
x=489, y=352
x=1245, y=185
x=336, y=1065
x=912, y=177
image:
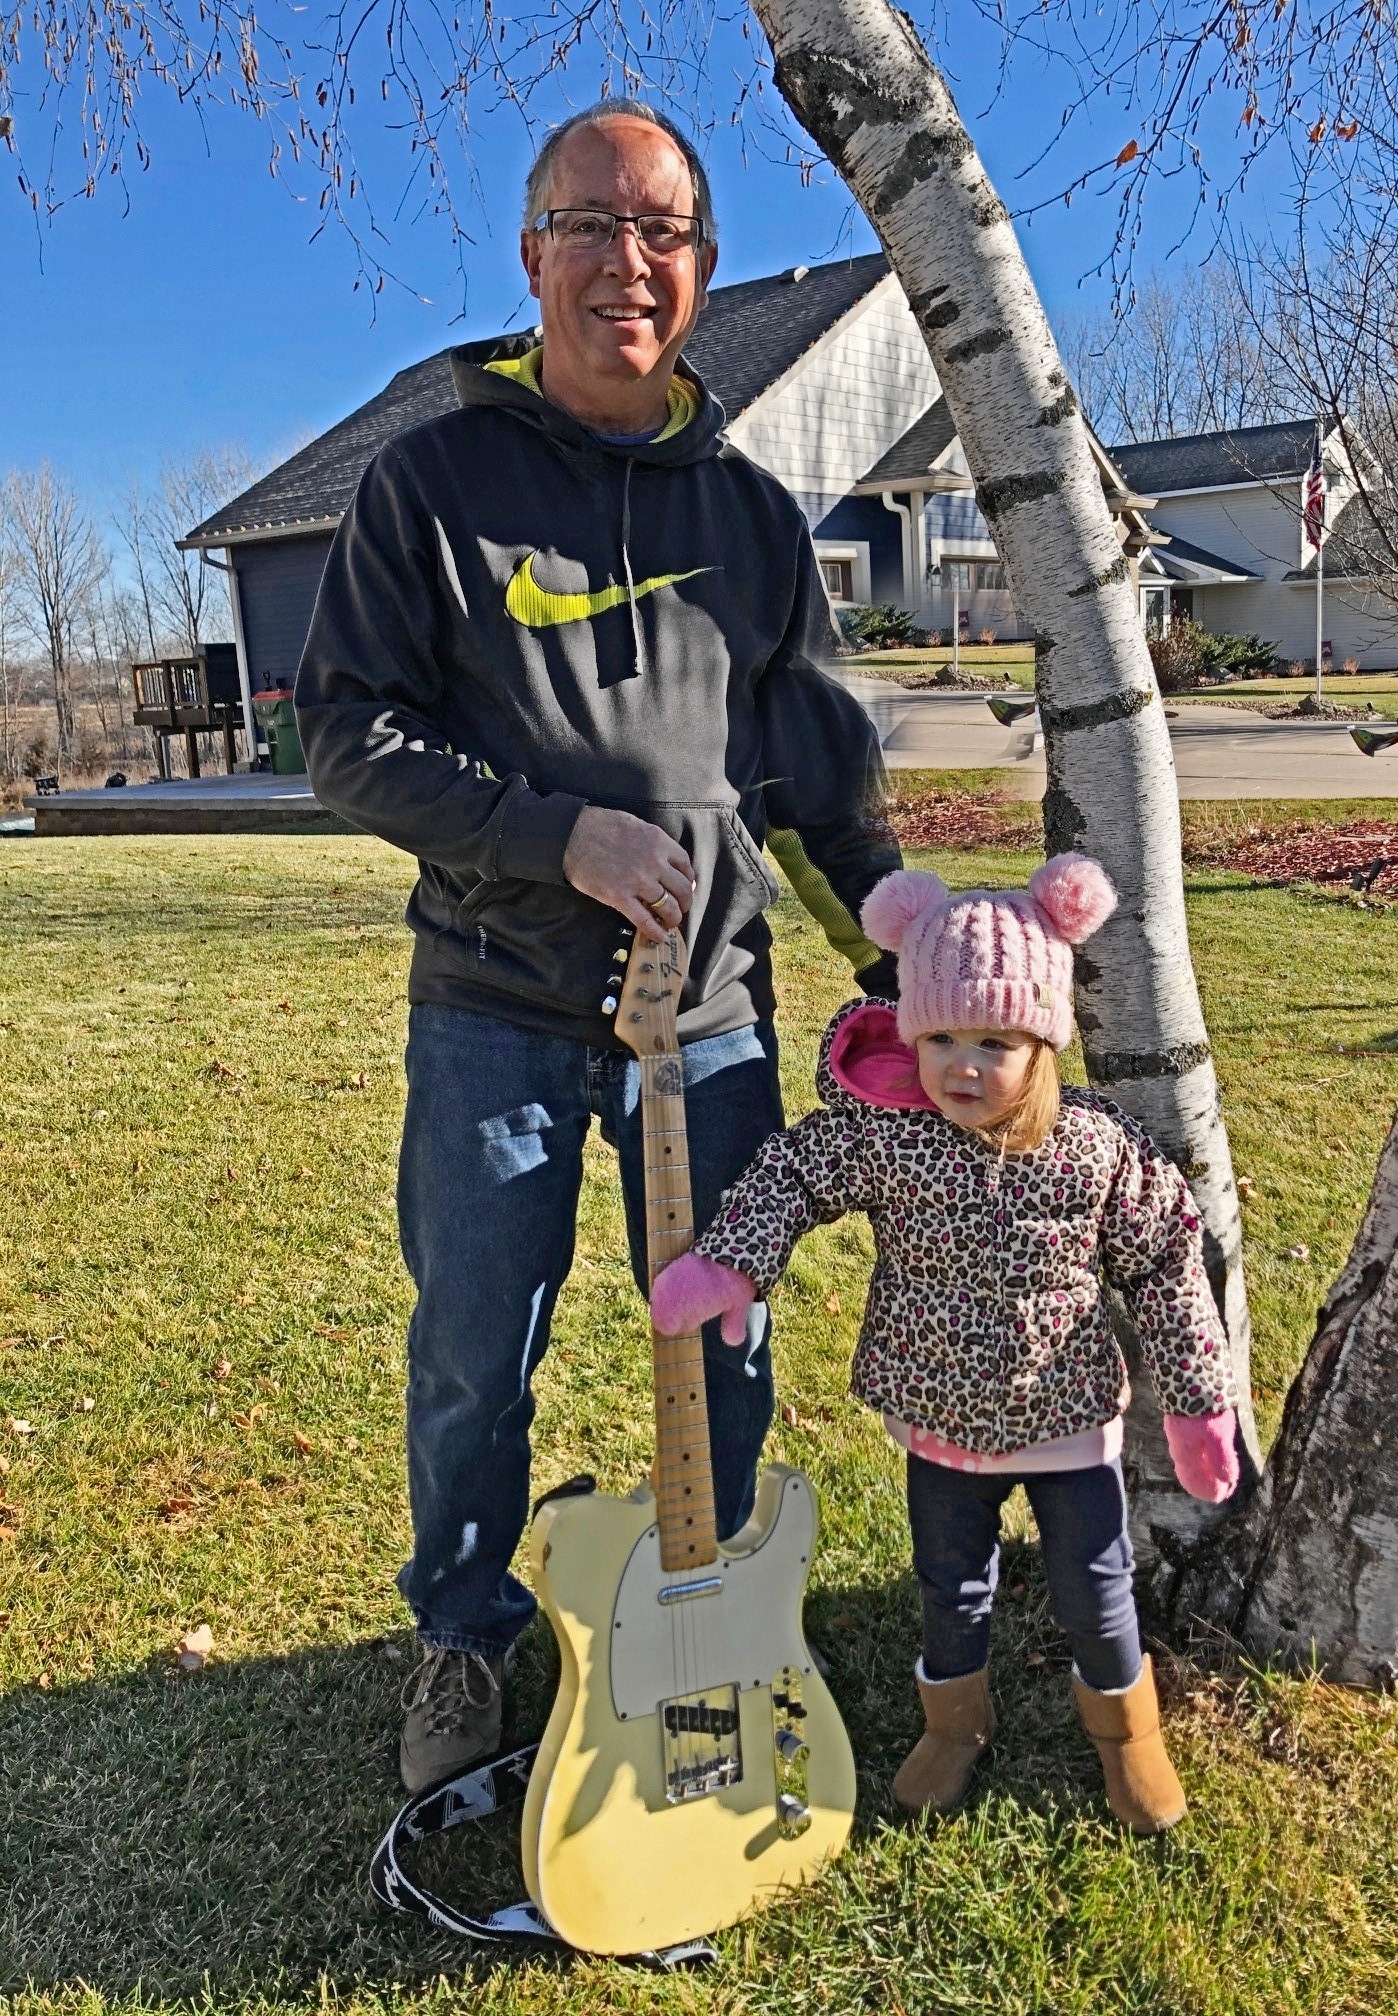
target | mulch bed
x=964, y=819
x=1360, y=856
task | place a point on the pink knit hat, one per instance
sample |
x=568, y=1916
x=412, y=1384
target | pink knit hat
x=991, y=958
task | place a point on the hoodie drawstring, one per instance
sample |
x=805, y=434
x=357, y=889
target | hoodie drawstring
x=637, y=636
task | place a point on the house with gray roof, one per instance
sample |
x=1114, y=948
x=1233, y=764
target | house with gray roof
x=1236, y=558
x=825, y=381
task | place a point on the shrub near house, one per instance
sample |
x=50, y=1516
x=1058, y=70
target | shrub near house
x=1187, y=657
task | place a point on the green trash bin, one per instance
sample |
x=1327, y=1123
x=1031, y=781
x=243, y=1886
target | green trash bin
x=276, y=717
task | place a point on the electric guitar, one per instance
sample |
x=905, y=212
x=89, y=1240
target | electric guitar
x=694, y=1765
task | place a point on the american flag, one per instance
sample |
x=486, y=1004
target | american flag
x=1313, y=497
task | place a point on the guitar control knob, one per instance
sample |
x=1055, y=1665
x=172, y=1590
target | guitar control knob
x=609, y=1005
x=792, y=1817
x=614, y=979
x=791, y=1747
x=621, y=955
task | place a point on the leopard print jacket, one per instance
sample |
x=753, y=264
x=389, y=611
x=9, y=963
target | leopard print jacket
x=985, y=1319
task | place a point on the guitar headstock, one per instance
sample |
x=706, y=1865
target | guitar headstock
x=649, y=1004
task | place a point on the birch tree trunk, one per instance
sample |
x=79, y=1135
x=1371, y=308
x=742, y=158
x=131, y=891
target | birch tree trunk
x=860, y=82
x=1307, y=1570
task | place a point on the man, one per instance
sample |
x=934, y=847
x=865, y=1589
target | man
x=565, y=652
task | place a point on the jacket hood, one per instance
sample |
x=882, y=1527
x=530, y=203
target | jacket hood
x=865, y=1062
x=701, y=437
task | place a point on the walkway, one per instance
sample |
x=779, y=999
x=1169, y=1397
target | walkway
x=1220, y=752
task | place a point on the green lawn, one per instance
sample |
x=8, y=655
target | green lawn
x=201, y=1318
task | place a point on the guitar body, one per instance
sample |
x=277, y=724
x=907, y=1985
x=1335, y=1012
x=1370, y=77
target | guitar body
x=625, y=1847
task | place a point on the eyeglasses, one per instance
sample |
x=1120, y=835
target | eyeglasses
x=594, y=230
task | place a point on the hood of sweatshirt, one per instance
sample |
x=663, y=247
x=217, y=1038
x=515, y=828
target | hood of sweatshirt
x=693, y=429
x=865, y=1062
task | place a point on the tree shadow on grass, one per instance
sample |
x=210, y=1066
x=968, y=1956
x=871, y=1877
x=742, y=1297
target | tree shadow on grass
x=208, y=1835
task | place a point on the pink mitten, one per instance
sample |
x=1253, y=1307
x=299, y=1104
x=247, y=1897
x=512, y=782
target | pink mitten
x=1203, y=1453
x=692, y=1289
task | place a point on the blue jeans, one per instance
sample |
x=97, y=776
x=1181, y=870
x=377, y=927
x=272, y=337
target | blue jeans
x=488, y=1186
x=1081, y=1514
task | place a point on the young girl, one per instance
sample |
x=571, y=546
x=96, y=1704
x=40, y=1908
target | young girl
x=1000, y=1207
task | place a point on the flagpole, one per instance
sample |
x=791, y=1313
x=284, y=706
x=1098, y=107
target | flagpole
x=1319, y=612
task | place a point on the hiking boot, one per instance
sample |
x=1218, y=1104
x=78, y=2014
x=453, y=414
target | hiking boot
x=937, y=1772
x=454, y=1712
x=1142, y=1789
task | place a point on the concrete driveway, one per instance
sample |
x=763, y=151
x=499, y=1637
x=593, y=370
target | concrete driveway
x=1220, y=752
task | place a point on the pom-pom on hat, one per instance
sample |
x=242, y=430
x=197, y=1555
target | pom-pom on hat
x=990, y=958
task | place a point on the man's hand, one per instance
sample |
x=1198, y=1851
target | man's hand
x=631, y=866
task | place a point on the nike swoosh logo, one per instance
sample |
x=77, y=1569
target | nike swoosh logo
x=537, y=609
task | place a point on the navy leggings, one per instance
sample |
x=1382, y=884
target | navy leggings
x=955, y=1519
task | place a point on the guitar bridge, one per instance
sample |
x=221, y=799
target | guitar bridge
x=702, y=1746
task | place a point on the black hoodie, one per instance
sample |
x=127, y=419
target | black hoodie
x=517, y=620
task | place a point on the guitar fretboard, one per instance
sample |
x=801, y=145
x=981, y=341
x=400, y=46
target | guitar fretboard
x=683, y=1475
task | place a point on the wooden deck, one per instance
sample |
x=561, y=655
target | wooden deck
x=260, y=803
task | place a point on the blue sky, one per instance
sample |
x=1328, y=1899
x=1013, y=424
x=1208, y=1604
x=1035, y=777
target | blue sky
x=197, y=311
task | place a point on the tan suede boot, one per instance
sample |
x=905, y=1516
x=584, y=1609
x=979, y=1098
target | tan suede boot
x=1142, y=1789
x=937, y=1773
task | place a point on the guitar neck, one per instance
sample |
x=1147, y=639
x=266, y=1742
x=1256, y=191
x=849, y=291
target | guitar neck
x=683, y=1474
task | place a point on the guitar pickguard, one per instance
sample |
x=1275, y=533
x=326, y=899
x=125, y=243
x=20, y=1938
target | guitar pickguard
x=664, y=1645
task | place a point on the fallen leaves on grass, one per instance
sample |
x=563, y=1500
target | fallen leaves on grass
x=251, y=1418
x=1298, y=1252
x=303, y=1442
x=1246, y=1187
x=832, y=1302
x=174, y=1510
x=222, y=1367
x=331, y=1330
x=20, y=1428
x=195, y=1649
x=218, y=1069
x=86, y=1404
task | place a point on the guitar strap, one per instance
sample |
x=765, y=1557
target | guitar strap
x=485, y=1789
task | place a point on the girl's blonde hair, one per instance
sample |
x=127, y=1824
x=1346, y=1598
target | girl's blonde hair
x=1034, y=1114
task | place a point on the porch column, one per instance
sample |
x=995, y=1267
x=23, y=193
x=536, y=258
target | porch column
x=241, y=647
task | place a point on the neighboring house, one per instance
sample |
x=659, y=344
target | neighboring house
x=825, y=381
x=1236, y=559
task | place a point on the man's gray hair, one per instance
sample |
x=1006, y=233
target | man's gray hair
x=536, y=188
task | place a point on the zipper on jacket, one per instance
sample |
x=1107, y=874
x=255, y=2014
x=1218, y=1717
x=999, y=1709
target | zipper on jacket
x=637, y=636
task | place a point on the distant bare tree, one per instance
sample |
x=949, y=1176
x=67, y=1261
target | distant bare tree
x=113, y=638
x=1326, y=315
x=61, y=562
x=183, y=602
x=1185, y=357
x=9, y=696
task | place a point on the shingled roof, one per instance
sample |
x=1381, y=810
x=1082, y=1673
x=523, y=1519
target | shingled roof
x=1213, y=461
x=913, y=454
x=749, y=336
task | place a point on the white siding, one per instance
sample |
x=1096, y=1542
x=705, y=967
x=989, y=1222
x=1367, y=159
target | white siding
x=1358, y=624
x=1258, y=529
x=846, y=403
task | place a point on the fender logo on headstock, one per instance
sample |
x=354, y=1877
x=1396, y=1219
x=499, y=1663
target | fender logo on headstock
x=648, y=1011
